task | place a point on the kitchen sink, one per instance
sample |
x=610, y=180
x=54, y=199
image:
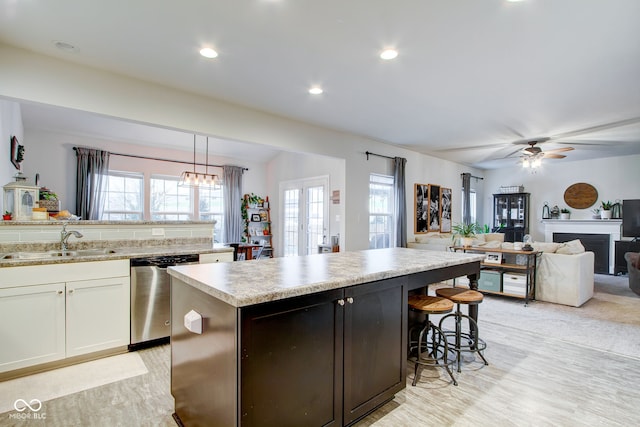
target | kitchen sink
x=90, y=252
x=57, y=254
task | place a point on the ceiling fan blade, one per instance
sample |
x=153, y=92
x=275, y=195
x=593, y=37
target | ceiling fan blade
x=554, y=156
x=472, y=147
x=593, y=142
x=597, y=128
x=560, y=150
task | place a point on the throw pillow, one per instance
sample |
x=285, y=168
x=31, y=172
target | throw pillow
x=547, y=247
x=571, y=248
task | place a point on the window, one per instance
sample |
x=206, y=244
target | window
x=123, y=196
x=170, y=201
x=381, y=218
x=472, y=202
x=211, y=207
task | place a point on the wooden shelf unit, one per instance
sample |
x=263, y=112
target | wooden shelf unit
x=528, y=269
x=257, y=235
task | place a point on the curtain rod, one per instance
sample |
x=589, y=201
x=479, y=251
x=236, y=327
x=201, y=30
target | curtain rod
x=476, y=177
x=369, y=153
x=163, y=160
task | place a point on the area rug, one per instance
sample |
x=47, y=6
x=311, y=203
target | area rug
x=68, y=380
x=610, y=321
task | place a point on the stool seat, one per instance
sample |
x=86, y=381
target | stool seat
x=430, y=305
x=460, y=295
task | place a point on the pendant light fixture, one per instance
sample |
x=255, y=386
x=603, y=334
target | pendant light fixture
x=198, y=179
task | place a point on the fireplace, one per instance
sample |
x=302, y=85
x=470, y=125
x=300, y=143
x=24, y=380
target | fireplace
x=586, y=230
x=596, y=243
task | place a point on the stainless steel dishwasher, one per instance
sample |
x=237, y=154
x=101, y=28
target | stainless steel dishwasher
x=151, y=298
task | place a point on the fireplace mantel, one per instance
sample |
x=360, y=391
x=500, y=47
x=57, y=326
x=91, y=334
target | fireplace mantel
x=613, y=227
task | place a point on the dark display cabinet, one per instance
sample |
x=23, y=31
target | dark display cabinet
x=511, y=215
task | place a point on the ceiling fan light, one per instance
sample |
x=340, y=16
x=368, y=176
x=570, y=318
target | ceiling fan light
x=536, y=163
x=525, y=163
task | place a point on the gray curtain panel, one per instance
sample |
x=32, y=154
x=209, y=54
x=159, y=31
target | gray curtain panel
x=400, y=202
x=92, y=167
x=232, y=193
x=466, y=198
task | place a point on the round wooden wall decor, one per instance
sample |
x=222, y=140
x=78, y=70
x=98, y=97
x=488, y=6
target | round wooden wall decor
x=580, y=195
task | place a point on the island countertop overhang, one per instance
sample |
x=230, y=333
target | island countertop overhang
x=241, y=284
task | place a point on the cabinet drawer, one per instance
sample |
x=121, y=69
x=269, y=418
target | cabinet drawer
x=490, y=281
x=216, y=257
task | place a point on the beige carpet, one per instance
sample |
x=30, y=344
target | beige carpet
x=72, y=379
x=610, y=321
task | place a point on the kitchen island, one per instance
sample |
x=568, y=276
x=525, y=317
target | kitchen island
x=312, y=340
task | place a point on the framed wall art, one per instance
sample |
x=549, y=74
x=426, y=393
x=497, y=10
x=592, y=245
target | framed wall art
x=434, y=208
x=17, y=152
x=421, y=208
x=445, y=210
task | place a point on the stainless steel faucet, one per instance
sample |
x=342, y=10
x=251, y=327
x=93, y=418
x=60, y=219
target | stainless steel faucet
x=64, y=236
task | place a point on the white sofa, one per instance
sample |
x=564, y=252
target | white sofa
x=442, y=241
x=564, y=274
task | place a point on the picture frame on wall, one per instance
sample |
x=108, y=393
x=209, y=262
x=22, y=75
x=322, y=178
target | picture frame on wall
x=434, y=208
x=445, y=210
x=17, y=152
x=421, y=208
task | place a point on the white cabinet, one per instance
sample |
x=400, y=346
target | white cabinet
x=97, y=315
x=216, y=257
x=32, y=325
x=47, y=314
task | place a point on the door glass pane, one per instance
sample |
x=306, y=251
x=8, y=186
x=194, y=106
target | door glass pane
x=291, y=209
x=315, y=218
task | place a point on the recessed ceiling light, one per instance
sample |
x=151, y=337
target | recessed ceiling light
x=315, y=90
x=207, y=52
x=389, y=54
x=67, y=47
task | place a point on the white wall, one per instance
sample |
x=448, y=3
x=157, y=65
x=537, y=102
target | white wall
x=615, y=178
x=10, y=125
x=31, y=77
x=51, y=154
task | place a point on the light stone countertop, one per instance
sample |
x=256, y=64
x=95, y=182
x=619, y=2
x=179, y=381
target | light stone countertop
x=124, y=252
x=246, y=283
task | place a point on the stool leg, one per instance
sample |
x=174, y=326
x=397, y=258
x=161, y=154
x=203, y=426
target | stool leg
x=418, y=367
x=445, y=345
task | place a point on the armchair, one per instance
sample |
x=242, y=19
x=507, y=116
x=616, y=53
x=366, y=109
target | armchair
x=633, y=267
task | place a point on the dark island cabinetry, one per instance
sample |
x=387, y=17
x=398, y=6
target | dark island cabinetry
x=295, y=354
x=322, y=359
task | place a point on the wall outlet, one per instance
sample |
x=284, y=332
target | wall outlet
x=157, y=231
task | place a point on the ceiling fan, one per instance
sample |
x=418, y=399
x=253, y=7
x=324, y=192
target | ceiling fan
x=534, y=150
x=532, y=156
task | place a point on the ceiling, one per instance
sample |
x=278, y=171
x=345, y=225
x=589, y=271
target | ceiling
x=472, y=77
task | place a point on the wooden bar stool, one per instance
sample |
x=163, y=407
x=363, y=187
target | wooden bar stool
x=434, y=352
x=474, y=344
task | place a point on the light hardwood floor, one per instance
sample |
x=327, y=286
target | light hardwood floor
x=532, y=380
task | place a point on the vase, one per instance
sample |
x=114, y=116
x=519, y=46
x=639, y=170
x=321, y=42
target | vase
x=466, y=241
x=564, y=216
x=605, y=214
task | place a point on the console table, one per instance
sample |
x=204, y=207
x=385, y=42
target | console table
x=508, y=263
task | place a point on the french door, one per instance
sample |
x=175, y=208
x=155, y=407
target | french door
x=305, y=215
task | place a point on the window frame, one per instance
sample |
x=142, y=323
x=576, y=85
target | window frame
x=105, y=190
x=388, y=217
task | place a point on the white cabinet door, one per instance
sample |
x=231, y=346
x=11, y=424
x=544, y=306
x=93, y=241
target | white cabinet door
x=97, y=315
x=33, y=325
x=216, y=257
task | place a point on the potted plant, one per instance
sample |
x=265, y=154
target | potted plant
x=605, y=210
x=6, y=216
x=596, y=213
x=466, y=233
x=565, y=213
